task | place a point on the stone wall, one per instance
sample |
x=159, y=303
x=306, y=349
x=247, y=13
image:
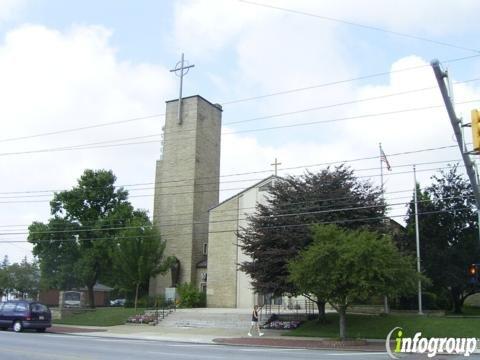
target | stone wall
x=186, y=187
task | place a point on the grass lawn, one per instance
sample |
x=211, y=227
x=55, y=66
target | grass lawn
x=377, y=327
x=100, y=317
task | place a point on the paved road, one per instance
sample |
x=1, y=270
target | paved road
x=29, y=345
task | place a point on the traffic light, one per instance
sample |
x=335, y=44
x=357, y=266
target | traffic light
x=473, y=273
x=476, y=129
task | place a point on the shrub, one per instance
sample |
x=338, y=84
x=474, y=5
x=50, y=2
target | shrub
x=190, y=296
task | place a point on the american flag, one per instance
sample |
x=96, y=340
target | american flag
x=383, y=158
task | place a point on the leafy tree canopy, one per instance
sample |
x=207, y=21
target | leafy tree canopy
x=21, y=279
x=342, y=266
x=448, y=234
x=280, y=228
x=89, y=216
x=138, y=256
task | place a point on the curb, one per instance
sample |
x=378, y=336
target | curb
x=120, y=337
x=231, y=342
x=217, y=341
x=352, y=348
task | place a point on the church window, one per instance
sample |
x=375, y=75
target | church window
x=205, y=248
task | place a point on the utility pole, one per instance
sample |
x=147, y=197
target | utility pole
x=457, y=129
x=383, y=158
x=417, y=237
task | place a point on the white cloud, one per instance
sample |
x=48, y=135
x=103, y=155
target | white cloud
x=54, y=80
x=9, y=9
x=406, y=131
x=205, y=26
x=273, y=51
x=430, y=17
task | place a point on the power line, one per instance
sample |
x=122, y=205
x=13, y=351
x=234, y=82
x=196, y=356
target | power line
x=280, y=215
x=369, y=27
x=327, y=84
x=229, y=189
x=304, y=110
x=284, y=92
x=48, y=193
x=81, y=128
x=351, y=102
x=336, y=198
x=302, y=167
x=260, y=228
x=282, y=205
x=371, y=115
x=93, y=146
x=230, y=220
x=215, y=190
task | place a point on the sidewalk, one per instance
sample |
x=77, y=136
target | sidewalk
x=220, y=336
x=149, y=332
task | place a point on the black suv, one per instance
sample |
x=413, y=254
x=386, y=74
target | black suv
x=23, y=314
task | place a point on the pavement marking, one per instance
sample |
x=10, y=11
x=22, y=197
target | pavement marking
x=59, y=336
x=195, y=356
x=191, y=345
x=41, y=353
x=359, y=353
x=270, y=349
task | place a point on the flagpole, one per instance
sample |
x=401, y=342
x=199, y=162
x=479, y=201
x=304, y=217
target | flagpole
x=381, y=170
x=417, y=238
x=386, y=309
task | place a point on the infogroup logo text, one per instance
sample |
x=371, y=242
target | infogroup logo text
x=432, y=346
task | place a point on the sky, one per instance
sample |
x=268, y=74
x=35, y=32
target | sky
x=363, y=66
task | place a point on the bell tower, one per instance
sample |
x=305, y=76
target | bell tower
x=187, y=186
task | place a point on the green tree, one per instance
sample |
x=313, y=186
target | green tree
x=93, y=213
x=280, y=229
x=24, y=278
x=57, y=257
x=138, y=255
x=5, y=281
x=448, y=235
x=343, y=266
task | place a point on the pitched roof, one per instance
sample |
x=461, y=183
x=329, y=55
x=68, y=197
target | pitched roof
x=99, y=287
x=258, y=184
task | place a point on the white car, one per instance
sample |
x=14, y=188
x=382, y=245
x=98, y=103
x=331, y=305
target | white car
x=118, y=302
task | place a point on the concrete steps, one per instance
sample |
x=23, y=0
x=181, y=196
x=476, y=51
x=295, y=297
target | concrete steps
x=208, y=318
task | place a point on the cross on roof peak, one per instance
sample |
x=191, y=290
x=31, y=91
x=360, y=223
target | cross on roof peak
x=276, y=163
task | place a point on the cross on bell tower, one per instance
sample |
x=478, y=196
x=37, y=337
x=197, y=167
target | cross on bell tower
x=181, y=69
